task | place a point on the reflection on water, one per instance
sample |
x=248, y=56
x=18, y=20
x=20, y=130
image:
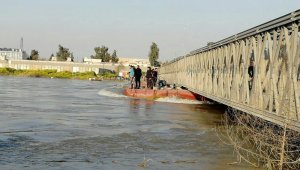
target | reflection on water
x=140, y=106
x=70, y=124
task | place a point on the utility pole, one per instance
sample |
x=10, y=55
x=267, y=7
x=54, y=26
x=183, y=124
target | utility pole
x=21, y=44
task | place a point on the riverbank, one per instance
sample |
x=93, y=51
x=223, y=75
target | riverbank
x=259, y=142
x=89, y=75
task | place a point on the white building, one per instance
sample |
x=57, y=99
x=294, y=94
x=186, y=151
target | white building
x=53, y=58
x=12, y=54
x=91, y=60
x=122, y=60
x=134, y=61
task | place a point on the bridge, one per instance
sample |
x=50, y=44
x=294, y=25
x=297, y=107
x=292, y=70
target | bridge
x=256, y=71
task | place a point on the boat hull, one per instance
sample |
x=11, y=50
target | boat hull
x=154, y=94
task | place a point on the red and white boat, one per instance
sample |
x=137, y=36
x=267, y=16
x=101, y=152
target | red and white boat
x=161, y=93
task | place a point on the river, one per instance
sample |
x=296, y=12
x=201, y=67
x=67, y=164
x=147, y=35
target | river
x=72, y=124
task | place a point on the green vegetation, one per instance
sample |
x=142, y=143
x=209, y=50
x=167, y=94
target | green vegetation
x=54, y=74
x=114, y=57
x=6, y=71
x=103, y=54
x=34, y=55
x=63, y=54
x=48, y=74
x=153, y=55
x=50, y=58
x=108, y=76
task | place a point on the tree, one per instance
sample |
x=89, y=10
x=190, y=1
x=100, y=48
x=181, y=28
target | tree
x=50, y=58
x=102, y=53
x=153, y=54
x=114, y=57
x=157, y=64
x=34, y=55
x=63, y=53
x=72, y=57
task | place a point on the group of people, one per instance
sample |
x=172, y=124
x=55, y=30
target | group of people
x=135, y=75
x=151, y=77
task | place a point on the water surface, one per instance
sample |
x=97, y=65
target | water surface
x=72, y=124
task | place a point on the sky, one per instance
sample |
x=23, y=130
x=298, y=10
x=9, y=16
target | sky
x=130, y=26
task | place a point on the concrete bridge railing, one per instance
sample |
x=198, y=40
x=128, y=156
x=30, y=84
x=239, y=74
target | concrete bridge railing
x=256, y=71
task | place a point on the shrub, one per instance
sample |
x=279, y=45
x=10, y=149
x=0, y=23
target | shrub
x=63, y=74
x=85, y=75
x=6, y=71
x=47, y=73
x=108, y=75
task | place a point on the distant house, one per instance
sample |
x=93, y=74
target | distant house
x=122, y=60
x=91, y=60
x=12, y=54
x=53, y=58
x=134, y=61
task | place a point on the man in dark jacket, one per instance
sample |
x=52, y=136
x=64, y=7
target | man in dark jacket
x=138, y=75
x=149, y=78
x=251, y=74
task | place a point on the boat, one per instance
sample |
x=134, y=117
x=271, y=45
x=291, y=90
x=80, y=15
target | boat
x=153, y=94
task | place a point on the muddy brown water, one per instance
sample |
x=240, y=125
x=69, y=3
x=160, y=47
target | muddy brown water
x=71, y=124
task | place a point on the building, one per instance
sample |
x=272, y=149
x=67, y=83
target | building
x=134, y=61
x=53, y=58
x=91, y=60
x=122, y=60
x=55, y=65
x=12, y=54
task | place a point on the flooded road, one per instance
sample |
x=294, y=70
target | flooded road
x=71, y=124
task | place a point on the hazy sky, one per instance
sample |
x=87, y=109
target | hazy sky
x=130, y=26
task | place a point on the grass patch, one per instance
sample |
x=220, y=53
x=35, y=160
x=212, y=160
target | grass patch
x=108, y=75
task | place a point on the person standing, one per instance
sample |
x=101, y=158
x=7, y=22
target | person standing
x=131, y=76
x=149, y=78
x=251, y=74
x=138, y=75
